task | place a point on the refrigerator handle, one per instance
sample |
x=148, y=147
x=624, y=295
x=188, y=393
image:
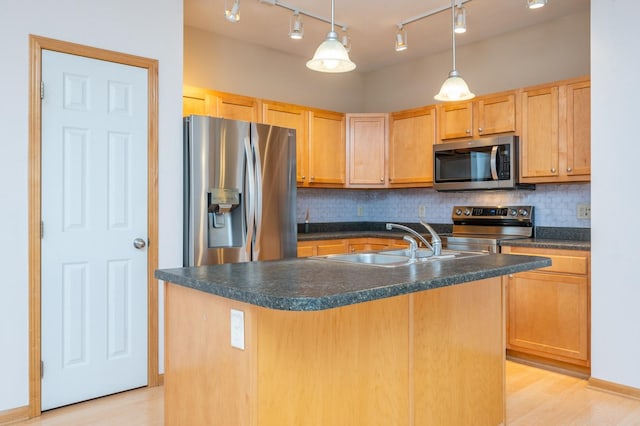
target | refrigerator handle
x=250, y=208
x=257, y=197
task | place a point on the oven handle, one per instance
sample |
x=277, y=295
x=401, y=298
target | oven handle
x=494, y=162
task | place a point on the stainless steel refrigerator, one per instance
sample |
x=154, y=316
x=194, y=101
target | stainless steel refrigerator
x=239, y=191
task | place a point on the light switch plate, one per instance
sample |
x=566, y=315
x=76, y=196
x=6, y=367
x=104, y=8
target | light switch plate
x=237, y=329
x=584, y=211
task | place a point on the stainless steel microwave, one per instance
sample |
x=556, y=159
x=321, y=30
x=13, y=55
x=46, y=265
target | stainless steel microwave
x=488, y=163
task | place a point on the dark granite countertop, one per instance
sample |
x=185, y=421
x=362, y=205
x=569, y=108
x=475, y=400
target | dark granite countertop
x=546, y=237
x=307, y=284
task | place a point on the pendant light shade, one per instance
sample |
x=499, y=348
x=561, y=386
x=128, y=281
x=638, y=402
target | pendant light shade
x=331, y=56
x=536, y=4
x=454, y=87
x=232, y=12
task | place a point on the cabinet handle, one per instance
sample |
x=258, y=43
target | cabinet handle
x=304, y=177
x=468, y=131
x=479, y=129
x=312, y=177
x=553, y=170
x=569, y=169
x=382, y=179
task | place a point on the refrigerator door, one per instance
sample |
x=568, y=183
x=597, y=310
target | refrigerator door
x=275, y=199
x=217, y=221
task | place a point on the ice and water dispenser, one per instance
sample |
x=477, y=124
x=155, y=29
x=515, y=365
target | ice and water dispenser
x=225, y=218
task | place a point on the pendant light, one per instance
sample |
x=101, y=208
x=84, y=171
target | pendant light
x=331, y=55
x=536, y=4
x=454, y=87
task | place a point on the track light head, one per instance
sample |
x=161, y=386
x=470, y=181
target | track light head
x=296, y=27
x=401, y=39
x=232, y=13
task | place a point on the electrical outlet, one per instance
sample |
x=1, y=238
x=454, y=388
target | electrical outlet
x=584, y=211
x=422, y=211
x=360, y=211
x=237, y=329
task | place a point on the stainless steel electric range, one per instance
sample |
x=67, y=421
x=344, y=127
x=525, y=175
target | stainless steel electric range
x=481, y=228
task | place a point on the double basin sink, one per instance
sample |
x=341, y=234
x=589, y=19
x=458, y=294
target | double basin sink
x=395, y=258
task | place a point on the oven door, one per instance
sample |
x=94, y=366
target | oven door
x=475, y=244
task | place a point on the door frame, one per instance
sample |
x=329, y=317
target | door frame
x=36, y=45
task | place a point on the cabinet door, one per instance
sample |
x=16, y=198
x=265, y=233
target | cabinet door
x=496, y=114
x=539, y=141
x=293, y=117
x=456, y=120
x=411, y=142
x=197, y=101
x=548, y=315
x=332, y=247
x=367, y=141
x=578, y=123
x=327, y=150
x=307, y=248
x=236, y=107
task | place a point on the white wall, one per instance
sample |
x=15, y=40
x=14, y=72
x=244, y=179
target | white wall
x=615, y=288
x=143, y=27
x=228, y=65
x=551, y=51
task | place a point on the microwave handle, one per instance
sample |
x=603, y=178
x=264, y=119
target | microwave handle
x=494, y=162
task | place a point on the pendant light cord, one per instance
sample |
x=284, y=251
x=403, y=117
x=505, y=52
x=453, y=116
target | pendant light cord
x=332, y=15
x=453, y=33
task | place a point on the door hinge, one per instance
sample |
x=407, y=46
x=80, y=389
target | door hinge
x=41, y=369
x=42, y=90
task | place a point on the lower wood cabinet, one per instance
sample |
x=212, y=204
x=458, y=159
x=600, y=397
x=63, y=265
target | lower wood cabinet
x=353, y=245
x=548, y=311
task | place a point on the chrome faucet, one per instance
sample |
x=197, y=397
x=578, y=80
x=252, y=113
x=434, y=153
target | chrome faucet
x=436, y=242
x=413, y=247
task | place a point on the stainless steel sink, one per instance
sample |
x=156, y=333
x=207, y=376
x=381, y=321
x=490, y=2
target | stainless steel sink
x=394, y=258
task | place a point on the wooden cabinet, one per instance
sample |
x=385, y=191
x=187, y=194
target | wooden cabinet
x=322, y=247
x=412, y=135
x=293, y=117
x=548, y=311
x=327, y=148
x=483, y=116
x=555, y=136
x=353, y=245
x=219, y=104
x=366, y=150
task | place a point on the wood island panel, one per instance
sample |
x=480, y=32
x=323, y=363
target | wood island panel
x=431, y=357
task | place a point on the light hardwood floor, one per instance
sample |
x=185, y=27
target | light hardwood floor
x=534, y=397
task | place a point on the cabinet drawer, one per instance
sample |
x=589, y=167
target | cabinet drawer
x=573, y=262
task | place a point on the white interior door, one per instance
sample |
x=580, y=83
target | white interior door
x=94, y=206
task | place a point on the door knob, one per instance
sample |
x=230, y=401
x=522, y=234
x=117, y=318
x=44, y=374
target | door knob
x=139, y=243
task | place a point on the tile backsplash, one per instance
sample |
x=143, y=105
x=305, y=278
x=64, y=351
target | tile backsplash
x=555, y=205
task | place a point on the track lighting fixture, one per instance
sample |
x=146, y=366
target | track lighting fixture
x=460, y=26
x=296, y=28
x=536, y=4
x=232, y=13
x=331, y=56
x=454, y=87
x=401, y=39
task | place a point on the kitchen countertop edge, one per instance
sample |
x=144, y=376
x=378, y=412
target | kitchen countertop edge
x=311, y=285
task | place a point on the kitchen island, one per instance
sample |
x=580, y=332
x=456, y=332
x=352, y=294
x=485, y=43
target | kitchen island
x=337, y=344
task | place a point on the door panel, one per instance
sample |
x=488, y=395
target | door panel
x=94, y=204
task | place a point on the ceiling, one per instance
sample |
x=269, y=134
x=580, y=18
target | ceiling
x=372, y=24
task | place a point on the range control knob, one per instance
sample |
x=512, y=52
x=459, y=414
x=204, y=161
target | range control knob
x=523, y=212
x=467, y=212
x=513, y=212
x=458, y=212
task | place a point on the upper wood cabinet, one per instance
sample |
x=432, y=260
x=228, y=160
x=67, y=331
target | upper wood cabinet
x=412, y=135
x=327, y=148
x=200, y=101
x=293, y=117
x=482, y=116
x=366, y=150
x=555, y=136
